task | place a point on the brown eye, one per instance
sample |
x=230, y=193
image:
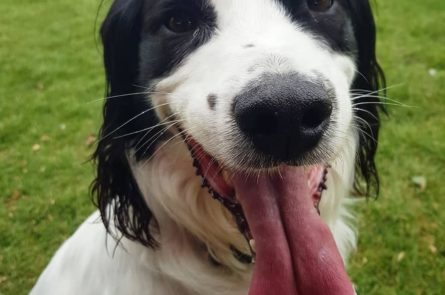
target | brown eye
x=320, y=5
x=180, y=23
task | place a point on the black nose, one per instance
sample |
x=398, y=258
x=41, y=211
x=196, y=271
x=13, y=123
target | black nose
x=284, y=115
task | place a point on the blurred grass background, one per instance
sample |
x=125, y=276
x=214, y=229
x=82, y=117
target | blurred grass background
x=51, y=84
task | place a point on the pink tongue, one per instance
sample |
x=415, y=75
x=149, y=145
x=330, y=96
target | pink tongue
x=296, y=253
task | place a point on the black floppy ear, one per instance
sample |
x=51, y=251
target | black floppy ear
x=368, y=85
x=115, y=190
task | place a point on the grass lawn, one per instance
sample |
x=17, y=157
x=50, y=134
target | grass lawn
x=51, y=79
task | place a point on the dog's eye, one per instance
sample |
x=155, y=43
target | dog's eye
x=320, y=5
x=180, y=22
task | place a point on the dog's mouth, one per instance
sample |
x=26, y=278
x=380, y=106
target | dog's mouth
x=278, y=214
x=220, y=183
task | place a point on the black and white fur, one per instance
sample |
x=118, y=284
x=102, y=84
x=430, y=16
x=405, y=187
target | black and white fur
x=157, y=231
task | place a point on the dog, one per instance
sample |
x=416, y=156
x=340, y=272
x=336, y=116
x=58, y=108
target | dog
x=234, y=132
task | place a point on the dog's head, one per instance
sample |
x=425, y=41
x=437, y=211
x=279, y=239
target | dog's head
x=251, y=85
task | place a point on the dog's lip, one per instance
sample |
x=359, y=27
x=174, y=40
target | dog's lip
x=218, y=182
x=215, y=177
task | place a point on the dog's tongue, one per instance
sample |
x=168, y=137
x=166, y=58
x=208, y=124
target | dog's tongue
x=295, y=250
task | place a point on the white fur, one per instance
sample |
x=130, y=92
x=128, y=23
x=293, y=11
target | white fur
x=191, y=223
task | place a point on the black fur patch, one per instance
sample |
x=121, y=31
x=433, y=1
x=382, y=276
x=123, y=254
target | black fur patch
x=137, y=49
x=348, y=26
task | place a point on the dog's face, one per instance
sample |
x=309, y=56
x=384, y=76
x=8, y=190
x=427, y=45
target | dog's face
x=254, y=83
x=262, y=82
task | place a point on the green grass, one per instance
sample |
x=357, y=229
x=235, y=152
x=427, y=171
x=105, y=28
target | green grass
x=51, y=72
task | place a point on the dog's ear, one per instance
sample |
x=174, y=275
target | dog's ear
x=368, y=86
x=115, y=190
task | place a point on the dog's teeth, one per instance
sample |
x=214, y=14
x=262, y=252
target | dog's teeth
x=317, y=207
x=252, y=245
x=227, y=177
x=204, y=182
x=212, y=193
x=231, y=205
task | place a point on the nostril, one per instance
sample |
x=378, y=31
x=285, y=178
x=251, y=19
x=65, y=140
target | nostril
x=259, y=122
x=316, y=115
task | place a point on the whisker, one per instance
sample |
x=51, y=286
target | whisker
x=366, y=111
x=147, y=129
x=150, y=89
x=383, y=103
x=115, y=96
x=179, y=134
x=362, y=75
x=376, y=91
x=154, y=138
x=126, y=95
x=362, y=93
x=361, y=130
x=384, y=99
x=163, y=122
x=364, y=122
x=204, y=173
x=132, y=119
x=356, y=97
